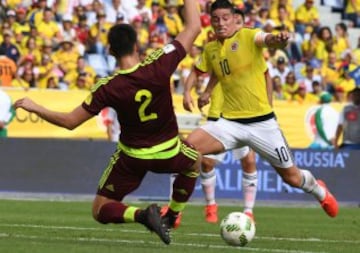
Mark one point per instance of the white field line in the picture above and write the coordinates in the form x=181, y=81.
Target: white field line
x=184, y=234
x=189, y=245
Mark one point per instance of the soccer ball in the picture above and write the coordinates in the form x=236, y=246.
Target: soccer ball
x=237, y=229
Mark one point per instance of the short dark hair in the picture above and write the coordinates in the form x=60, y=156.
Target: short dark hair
x=122, y=39
x=240, y=13
x=222, y=4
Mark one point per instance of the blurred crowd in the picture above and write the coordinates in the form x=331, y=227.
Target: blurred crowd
x=61, y=44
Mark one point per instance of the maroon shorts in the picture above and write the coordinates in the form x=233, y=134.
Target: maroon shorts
x=124, y=173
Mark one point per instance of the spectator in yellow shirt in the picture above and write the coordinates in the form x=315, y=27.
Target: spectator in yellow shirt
x=46, y=71
x=21, y=25
x=34, y=34
x=26, y=80
x=35, y=15
x=352, y=11
x=341, y=39
x=274, y=9
x=11, y=18
x=30, y=50
x=317, y=88
x=283, y=19
x=11, y=4
x=52, y=83
x=172, y=20
x=325, y=44
x=187, y=63
x=142, y=32
x=278, y=91
x=66, y=56
x=302, y=96
x=80, y=83
x=306, y=18
x=329, y=72
x=346, y=82
x=82, y=68
x=291, y=85
x=98, y=34
x=48, y=28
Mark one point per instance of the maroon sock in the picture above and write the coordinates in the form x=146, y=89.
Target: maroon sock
x=183, y=187
x=112, y=212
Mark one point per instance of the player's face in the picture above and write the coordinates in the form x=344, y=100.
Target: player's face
x=224, y=23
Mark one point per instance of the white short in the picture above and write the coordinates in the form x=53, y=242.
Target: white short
x=237, y=154
x=264, y=137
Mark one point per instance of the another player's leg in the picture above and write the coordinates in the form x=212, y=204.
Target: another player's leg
x=249, y=181
x=305, y=180
x=208, y=184
x=204, y=141
x=184, y=184
x=268, y=141
x=115, y=183
x=110, y=211
x=165, y=208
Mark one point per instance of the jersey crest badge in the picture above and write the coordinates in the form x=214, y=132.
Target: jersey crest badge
x=234, y=46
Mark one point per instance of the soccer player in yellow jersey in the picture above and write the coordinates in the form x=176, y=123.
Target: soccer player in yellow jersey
x=235, y=60
x=244, y=154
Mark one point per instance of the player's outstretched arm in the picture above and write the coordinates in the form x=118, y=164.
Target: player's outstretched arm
x=192, y=26
x=68, y=120
x=204, y=99
x=188, y=102
x=279, y=40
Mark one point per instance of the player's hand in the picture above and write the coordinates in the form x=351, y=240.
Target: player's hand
x=203, y=100
x=27, y=104
x=281, y=39
x=188, y=102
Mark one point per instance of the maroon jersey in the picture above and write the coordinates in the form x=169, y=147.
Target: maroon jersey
x=142, y=98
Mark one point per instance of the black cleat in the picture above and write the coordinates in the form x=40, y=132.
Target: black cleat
x=153, y=222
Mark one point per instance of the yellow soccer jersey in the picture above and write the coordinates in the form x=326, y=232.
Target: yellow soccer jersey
x=339, y=46
x=239, y=66
x=217, y=97
x=349, y=7
x=307, y=16
x=216, y=102
x=48, y=30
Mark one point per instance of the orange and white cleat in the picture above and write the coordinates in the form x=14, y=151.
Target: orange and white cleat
x=211, y=215
x=329, y=204
x=174, y=222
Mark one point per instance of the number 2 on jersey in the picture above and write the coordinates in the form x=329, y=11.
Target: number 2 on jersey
x=144, y=104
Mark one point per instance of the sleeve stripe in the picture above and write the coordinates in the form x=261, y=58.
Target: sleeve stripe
x=259, y=38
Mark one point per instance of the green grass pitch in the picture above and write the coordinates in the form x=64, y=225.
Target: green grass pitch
x=67, y=227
